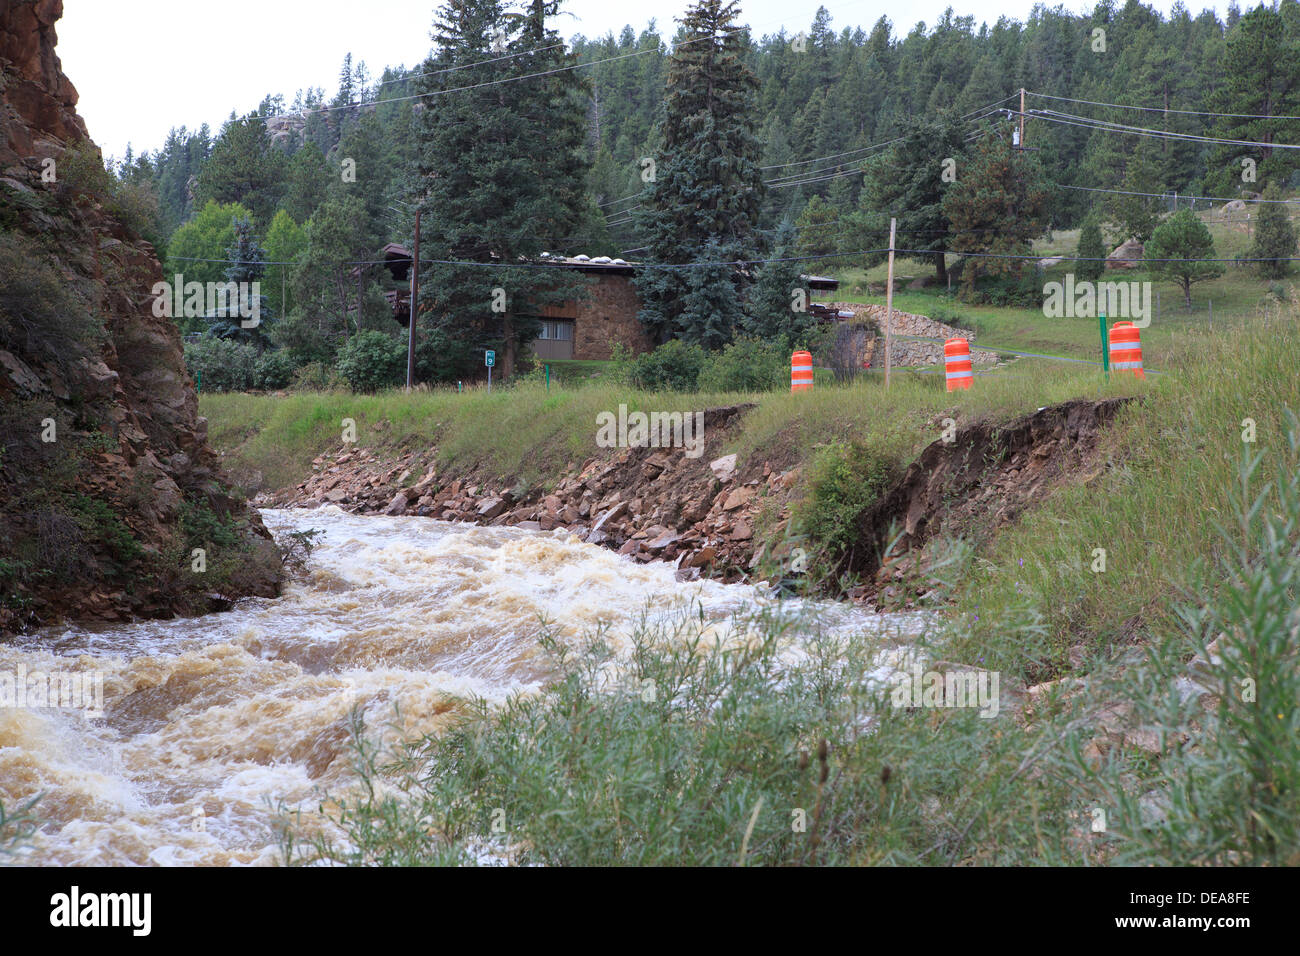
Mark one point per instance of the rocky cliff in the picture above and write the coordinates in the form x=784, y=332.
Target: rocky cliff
x=111, y=501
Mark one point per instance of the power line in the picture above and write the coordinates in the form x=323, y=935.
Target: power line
x=1170, y=195
x=1157, y=109
x=1086, y=122
x=511, y=79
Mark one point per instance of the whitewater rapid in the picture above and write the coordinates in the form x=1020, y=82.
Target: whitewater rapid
x=212, y=726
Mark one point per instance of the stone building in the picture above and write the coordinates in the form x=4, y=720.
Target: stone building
x=589, y=327
x=585, y=328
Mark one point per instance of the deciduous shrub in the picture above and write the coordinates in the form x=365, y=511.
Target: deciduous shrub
x=746, y=365
x=220, y=365
x=674, y=366
x=371, y=361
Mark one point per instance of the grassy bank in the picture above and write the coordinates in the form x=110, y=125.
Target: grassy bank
x=708, y=755
x=1155, y=508
x=531, y=433
x=734, y=756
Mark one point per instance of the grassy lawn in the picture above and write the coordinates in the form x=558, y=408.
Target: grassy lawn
x=1220, y=305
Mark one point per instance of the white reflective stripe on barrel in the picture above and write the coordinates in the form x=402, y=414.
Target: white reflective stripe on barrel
x=964, y=374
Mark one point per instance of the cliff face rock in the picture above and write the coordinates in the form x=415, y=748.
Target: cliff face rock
x=107, y=485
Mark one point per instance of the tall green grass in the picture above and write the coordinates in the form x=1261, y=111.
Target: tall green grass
x=1166, y=477
x=700, y=754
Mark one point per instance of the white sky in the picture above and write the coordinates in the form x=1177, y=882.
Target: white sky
x=144, y=66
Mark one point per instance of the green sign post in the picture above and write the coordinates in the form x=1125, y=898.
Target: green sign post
x=1105, y=346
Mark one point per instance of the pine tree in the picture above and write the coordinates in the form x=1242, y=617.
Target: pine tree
x=1275, y=236
x=1091, y=252
x=309, y=181
x=1260, y=77
x=1179, y=250
x=908, y=183
x=502, y=170
x=1137, y=207
x=704, y=201
x=243, y=168
x=997, y=205
x=818, y=231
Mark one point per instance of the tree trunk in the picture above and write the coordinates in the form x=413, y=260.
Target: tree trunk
x=941, y=268
x=1187, y=294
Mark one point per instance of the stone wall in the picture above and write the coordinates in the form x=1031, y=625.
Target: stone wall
x=927, y=349
x=608, y=315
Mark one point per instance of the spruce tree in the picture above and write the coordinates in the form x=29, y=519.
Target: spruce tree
x=703, y=204
x=247, y=266
x=1091, y=252
x=1275, y=236
x=501, y=174
x=775, y=309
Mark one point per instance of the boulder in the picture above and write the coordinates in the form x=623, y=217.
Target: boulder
x=723, y=468
x=490, y=508
x=1127, y=255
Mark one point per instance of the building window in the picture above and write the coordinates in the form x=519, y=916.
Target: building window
x=556, y=331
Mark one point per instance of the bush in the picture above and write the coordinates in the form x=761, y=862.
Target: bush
x=135, y=205
x=316, y=377
x=675, y=366
x=1025, y=290
x=371, y=361
x=746, y=365
x=219, y=365
x=845, y=480
x=274, y=370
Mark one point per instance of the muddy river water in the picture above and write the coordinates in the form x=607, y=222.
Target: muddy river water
x=210, y=724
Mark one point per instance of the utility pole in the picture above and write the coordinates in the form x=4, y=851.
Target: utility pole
x=1022, y=117
x=415, y=297
x=889, y=301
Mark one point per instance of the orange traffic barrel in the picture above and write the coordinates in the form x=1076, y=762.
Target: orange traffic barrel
x=801, y=372
x=956, y=364
x=1126, y=349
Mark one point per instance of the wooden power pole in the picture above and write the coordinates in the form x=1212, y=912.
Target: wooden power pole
x=1022, y=117
x=415, y=298
x=889, y=302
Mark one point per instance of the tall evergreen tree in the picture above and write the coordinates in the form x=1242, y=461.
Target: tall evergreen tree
x=707, y=191
x=243, y=168
x=908, y=182
x=247, y=266
x=1275, y=236
x=502, y=170
x=775, y=309
x=1261, y=78
x=996, y=206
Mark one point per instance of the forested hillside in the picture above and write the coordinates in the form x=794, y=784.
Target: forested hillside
x=1123, y=108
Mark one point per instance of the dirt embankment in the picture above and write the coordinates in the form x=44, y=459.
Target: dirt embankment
x=701, y=512
x=982, y=480
x=711, y=517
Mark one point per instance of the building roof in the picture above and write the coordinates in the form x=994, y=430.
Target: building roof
x=397, y=253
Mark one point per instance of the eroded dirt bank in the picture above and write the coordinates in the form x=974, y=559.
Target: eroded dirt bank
x=714, y=516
